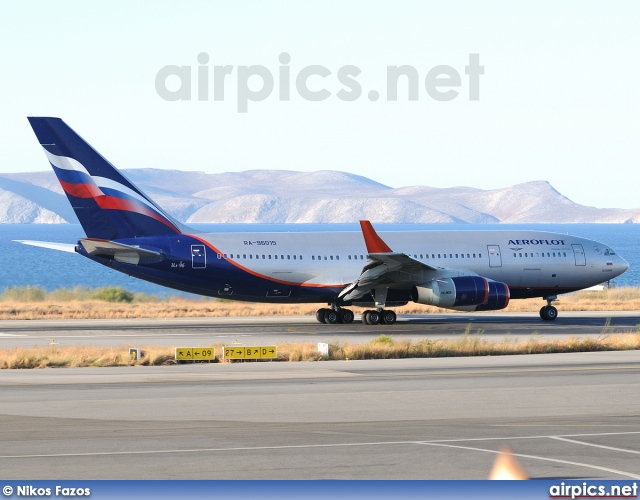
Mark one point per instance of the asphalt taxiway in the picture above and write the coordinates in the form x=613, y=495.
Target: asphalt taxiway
x=273, y=329
x=568, y=416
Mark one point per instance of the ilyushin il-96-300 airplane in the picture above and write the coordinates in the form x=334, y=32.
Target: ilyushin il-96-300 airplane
x=460, y=270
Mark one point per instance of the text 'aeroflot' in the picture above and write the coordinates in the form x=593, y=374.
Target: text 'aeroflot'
x=460, y=270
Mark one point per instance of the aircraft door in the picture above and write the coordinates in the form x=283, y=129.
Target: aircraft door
x=495, y=259
x=578, y=253
x=198, y=257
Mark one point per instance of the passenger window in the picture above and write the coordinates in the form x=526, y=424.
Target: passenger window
x=244, y=255
x=288, y=257
x=294, y=257
x=337, y=257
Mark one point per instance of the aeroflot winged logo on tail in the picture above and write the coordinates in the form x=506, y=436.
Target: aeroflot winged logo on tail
x=107, y=204
x=107, y=193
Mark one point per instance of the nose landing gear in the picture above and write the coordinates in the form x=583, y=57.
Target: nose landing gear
x=548, y=312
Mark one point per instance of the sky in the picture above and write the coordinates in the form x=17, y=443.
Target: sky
x=556, y=97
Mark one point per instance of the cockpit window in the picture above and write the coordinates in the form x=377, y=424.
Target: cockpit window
x=609, y=252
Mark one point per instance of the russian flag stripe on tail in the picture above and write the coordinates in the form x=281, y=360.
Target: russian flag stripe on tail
x=108, y=205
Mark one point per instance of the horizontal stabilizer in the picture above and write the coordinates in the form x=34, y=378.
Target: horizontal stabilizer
x=119, y=251
x=63, y=247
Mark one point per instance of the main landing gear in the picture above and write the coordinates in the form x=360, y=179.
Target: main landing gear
x=375, y=317
x=548, y=312
x=333, y=316
x=369, y=317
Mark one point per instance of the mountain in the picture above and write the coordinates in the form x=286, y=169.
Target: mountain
x=277, y=196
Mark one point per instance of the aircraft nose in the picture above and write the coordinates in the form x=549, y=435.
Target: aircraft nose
x=621, y=265
x=624, y=264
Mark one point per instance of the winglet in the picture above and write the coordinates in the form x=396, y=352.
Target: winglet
x=374, y=243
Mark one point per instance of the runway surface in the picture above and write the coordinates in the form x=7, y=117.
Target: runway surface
x=274, y=329
x=565, y=416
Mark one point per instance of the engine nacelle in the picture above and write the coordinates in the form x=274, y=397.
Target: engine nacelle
x=498, y=298
x=460, y=291
x=467, y=293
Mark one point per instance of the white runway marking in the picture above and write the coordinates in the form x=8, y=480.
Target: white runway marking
x=204, y=450
x=442, y=443
x=594, y=445
x=532, y=437
x=534, y=457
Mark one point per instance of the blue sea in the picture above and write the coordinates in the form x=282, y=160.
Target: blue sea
x=26, y=265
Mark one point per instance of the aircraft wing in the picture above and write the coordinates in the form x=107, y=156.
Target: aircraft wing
x=385, y=268
x=118, y=251
x=63, y=247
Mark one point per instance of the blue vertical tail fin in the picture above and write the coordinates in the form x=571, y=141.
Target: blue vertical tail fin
x=108, y=205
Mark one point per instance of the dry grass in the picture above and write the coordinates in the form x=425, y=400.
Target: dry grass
x=80, y=356
x=67, y=304
x=383, y=347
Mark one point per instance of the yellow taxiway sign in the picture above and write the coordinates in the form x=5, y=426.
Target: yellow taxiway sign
x=250, y=352
x=195, y=353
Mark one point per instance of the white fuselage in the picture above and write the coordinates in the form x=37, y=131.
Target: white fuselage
x=524, y=260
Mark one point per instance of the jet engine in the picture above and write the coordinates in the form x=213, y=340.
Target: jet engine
x=469, y=293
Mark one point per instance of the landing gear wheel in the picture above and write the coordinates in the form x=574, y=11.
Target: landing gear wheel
x=320, y=315
x=332, y=317
x=374, y=317
x=388, y=317
x=548, y=313
x=365, y=317
x=346, y=315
